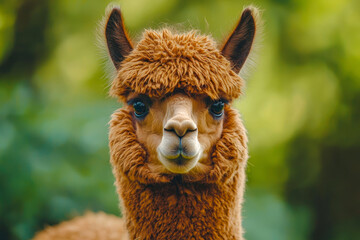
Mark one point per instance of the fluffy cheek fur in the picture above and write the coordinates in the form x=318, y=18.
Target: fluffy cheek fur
x=128, y=155
x=229, y=152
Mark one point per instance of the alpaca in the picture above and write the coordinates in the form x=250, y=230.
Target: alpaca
x=178, y=149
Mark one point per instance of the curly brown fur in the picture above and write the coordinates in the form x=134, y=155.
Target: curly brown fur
x=175, y=206
x=189, y=61
x=91, y=226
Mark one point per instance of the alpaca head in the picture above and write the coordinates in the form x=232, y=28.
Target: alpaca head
x=177, y=88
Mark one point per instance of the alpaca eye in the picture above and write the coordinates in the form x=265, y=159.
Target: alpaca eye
x=217, y=109
x=140, y=109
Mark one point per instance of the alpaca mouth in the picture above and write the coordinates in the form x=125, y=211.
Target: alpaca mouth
x=181, y=159
x=179, y=155
x=179, y=163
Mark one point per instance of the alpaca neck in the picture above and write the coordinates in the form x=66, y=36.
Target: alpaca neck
x=157, y=209
x=180, y=210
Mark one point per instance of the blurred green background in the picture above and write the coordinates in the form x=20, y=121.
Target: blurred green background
x=301, y=109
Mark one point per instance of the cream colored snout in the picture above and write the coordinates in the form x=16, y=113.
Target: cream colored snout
x=179, y=150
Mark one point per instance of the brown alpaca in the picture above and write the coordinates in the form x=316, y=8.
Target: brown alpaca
x=178, y=149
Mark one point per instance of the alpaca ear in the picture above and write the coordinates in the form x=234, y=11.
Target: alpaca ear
x=117, y=40
x=238, y=44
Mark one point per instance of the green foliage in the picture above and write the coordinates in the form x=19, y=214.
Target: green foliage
x=301, y=109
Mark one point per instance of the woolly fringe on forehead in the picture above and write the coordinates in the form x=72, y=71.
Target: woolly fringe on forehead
x=163, y=62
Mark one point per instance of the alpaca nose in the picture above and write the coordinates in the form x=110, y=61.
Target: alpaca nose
x=180, y=126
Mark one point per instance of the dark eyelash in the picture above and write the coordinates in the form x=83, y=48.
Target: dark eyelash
x=224, y=100
x=142, y=98
x=209, y=101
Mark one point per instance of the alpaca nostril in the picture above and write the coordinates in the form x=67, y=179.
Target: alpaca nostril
x=180, y=128
x=180, y=134
x=172, y=130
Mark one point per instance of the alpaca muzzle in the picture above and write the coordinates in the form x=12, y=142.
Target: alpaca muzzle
x=179, y=150
x=179, y=154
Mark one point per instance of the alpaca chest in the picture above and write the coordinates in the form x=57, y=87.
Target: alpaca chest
x=182, y=210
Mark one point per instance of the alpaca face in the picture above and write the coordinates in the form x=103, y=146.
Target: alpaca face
x=178, y=131
x=175, y=84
